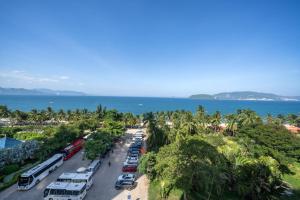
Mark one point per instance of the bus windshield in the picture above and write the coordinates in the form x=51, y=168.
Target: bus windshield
x=24, y=180
x=46, y=192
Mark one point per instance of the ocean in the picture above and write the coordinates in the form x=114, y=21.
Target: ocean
x=139, y=105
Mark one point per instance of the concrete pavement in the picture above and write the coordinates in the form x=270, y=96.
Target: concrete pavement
x=104, y=179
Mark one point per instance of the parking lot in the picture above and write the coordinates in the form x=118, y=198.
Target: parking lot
x=104, y=179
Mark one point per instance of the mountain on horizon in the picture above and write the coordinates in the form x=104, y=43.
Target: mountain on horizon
x=39, y=92
x=246, y=95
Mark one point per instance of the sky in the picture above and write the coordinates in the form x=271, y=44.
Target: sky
x=161, y=48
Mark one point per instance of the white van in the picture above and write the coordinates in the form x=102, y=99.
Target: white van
x=94, y=166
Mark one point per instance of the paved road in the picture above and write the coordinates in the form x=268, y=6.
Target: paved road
x=36, y=193
x=104, y=179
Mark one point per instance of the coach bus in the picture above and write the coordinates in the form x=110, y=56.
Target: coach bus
x=64, y=190
x=73, y=148
x=77, y=178
x=33, y=176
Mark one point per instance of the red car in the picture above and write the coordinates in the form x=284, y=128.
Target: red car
x=129, y=168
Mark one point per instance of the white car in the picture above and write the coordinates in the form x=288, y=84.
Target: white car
x=126, y=177
x=133, y=158
x=137, y=139
x=128, y=161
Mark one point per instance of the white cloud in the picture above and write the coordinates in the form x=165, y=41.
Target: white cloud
x=31, y=78
x=64, y=77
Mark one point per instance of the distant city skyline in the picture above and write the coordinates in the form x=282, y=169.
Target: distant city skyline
x=151, y=48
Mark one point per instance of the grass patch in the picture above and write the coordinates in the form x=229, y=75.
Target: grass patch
x=294, y=181
x=154, y=192
x=14, y=176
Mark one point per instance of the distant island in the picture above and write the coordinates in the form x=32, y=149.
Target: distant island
x=39, y=92
x=245, y=95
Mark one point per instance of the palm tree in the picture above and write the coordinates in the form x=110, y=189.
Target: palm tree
x=200, y=117
x=33, y=115
x=231, y=121
x=61, y=114
x=49, y=113
x=148, y=118
x=291, y=119
x=4, y=112
x=20, y=116
x=248, y=118
x=216, y=120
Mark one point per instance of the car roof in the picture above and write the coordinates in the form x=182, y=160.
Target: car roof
x=94, y=163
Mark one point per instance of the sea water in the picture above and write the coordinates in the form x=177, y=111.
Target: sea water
x=139, y=105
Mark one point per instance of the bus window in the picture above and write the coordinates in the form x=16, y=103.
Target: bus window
x=52, y=192
x=68, y=192
x=60, y=192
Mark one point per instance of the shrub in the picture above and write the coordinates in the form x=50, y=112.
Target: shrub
x=10, y=169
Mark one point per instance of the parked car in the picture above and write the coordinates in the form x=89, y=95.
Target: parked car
x=126, y=177
x=129, y=185
x=131, y=162
x=135, y=145
x=137, y=139
x=133, y=154
x=132, y=158
x=134, y=149
x=129, y=168
x=139, y=135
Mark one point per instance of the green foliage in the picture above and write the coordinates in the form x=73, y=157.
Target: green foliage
x=8, y=169
x=156, y=137
x=154, y=192
x=29, y=136
x=258, y=179
x=86, y=124
x=114, y=128
x=248, y=163
x=272, y=140
x=192, y=165
x=146, y=165
x=56, y=139
x=11, y=182
x=293, y=181
x=9, y=131
x=130, y=120
x=97, y=145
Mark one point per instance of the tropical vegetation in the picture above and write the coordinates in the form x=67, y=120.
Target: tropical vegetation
x=248, y=158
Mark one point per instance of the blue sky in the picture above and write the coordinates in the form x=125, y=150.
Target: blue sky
x=151, y=48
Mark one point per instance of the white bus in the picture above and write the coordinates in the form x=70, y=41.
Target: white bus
x=33, y=176
x=77, y=178
x=65, y=191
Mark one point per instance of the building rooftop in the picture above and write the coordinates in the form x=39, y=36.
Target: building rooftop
x=7, y=142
